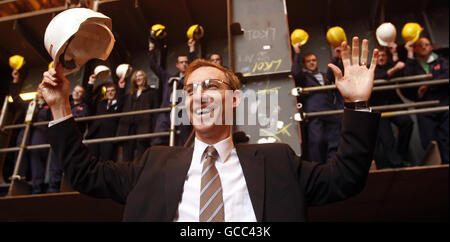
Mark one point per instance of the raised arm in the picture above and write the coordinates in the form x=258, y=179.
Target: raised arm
x=296, y=68
x=157, y=69
x=346, y=174
x=87, y=174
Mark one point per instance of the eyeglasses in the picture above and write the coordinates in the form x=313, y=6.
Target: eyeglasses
x=207, y=85
x=424, y=45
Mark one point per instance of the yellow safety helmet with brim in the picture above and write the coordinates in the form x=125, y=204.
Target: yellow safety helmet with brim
x=195, y=32
x=299, y=36
x=158, y=31
x=336, y=35
x=16, y=62
x=411, y=32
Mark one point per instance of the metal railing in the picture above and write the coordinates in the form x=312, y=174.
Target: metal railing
x=414, y=82
x=374, y=108
x=297, y=91
x=18, y=185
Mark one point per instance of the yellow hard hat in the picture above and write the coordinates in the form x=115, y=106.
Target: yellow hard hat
x=158, y=31
x=50, y=65
x=336, y=36
x=411, y=32
x=195, y=32
x=299, y=36
x=16, y=62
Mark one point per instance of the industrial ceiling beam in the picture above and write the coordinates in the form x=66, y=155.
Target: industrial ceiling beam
x=30, y=37
x=33, y=13
x=4, y=56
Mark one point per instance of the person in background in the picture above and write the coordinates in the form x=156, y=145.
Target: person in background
x=216, y=180
x=79, y=109
x=388, y=152
x=34, y=161
x=422, y=60
x=322, y=135
x=163, y=119
x=103, y=128
x=140, y=97
x=216, y=58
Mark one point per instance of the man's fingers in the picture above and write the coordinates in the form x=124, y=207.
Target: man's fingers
x=47, y=75
x=355, y=51
x=337, y=72
x=51, y=71
x=47, y=81
x=345, y=55
x=373, y=64
x=364, y=52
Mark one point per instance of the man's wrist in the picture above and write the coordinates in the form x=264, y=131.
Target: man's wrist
x=61, y=110
x=357, y=105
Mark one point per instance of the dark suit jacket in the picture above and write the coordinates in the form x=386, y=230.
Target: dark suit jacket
x=281, y=185
x=315, y=101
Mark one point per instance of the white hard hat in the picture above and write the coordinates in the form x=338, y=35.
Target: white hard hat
x=77, y=35
x=123, y=70
x=386, y=33
x=102, y=72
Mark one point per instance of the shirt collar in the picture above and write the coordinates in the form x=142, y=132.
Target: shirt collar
x=223, y=147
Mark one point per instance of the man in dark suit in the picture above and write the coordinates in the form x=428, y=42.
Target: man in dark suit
x=322, y=133
x=103, y=128
x=162, y=123
x=215, y=180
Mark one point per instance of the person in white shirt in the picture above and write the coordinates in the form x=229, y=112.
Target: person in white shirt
x=217, y=180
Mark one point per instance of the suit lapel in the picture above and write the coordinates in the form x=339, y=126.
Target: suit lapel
x=176, y=169
x=253, y=168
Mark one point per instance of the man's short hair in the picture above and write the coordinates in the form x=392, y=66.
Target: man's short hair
x=308, y=54
x=210, y=55
x=110, y=84
x=183, y=55
x=79, y=85
x=232, y=78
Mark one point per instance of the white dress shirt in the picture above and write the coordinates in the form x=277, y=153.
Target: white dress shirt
x=237, y=204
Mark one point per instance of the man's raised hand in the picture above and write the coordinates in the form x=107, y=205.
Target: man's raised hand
x=357, y=83
x=54, y=88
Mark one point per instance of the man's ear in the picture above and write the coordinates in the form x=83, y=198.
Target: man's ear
x=237, y=97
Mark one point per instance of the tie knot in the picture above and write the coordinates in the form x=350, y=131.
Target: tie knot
x=211, y=152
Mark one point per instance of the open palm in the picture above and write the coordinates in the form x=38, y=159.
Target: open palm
x=357, y=82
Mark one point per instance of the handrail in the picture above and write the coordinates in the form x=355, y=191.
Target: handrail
x=374, y=108
x=306, y=90
x=93, y=117
x=92, y=141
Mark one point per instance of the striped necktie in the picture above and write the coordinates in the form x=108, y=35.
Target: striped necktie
x=211, y=200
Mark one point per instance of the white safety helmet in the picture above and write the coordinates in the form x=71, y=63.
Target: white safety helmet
x=102, y=72
x=123, y=70
x=77, y=35
x=386, y=33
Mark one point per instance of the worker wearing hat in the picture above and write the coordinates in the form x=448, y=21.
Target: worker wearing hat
x=421, y=60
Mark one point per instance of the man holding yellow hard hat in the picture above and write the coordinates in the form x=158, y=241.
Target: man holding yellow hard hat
x=320, y=131
x=163, y=120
